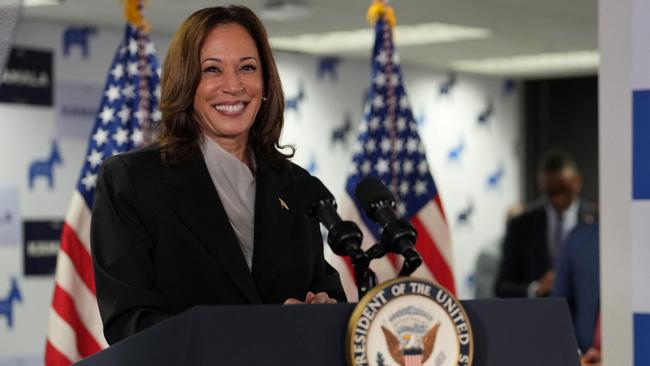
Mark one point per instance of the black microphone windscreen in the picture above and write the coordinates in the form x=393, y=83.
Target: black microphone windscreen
x=371, y=190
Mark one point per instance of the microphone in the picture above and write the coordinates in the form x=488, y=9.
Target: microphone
x=397, y=235
x=344, y=237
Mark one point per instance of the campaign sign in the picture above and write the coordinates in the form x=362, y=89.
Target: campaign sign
x=9, y=217
x=76, y=109
x=42, y=240
x=28, y=77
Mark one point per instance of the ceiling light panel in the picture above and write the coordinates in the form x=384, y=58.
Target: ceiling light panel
x=355, y=40
x=539, y=64
x=32, y=3
x=284, y=11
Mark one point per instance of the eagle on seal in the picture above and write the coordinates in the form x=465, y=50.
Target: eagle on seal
x=412, y=344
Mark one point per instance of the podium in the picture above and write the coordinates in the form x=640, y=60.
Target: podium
x=514, y=332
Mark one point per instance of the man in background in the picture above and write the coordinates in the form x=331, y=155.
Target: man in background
x=534, y=238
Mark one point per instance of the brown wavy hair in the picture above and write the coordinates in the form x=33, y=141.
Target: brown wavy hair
x=179, y=132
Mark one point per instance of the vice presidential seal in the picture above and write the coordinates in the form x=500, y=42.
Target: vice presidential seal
x=409, y=322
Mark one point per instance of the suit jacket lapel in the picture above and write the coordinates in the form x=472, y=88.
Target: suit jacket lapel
x=198, y=205
x=275, y=207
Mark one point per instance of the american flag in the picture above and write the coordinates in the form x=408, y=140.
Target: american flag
x=390, y=149
x=124, y=120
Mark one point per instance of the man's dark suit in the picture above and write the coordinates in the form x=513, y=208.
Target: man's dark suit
x=162, y=242
x=577, y=278
x=526, y=255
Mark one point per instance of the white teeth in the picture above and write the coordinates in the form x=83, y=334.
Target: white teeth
x=230, y=108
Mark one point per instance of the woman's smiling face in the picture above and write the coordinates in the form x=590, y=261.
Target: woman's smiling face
x=231, y=88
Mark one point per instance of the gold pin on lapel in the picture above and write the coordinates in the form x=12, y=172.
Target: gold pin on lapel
x=283, y=204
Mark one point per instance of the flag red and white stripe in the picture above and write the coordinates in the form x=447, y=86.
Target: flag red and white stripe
x=127, y=110
x=389, y=148
x=75, y=328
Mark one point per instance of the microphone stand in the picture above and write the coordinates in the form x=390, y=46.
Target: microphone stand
x=345, y=237
x=365, y=277
x=412, y=261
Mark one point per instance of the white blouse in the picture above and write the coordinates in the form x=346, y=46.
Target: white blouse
x=235, y=184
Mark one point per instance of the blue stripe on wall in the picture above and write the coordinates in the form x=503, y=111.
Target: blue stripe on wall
x=641, y=144
x=641, y=339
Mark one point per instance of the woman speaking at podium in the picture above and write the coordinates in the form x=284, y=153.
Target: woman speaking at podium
x=212, y=213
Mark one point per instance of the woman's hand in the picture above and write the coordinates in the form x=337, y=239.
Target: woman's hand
x=311, y=298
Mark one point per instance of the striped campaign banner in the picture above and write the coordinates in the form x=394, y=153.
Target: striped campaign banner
x=640, y=70
x=640, y=228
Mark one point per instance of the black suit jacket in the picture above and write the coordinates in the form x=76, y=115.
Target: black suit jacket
x=162, y=242
x=525, y=255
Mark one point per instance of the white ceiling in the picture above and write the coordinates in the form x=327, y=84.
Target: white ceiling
x=519, y=27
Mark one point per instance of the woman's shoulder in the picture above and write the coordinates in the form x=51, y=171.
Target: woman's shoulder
x=297, y=174
x=143, y=160
x=288, y=172
x=297, y=170
x=140, y=156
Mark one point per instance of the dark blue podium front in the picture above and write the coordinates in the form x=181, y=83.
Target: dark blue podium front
x=531, y=332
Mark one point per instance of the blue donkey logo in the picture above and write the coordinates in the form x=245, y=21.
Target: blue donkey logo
x=340, y=133
x=294, y=101
x=77, y=36
x=456, y=152
x=328, y=66
x=447, y=85
x=45, y=168
x=465, y=216
x=495, y=178
x=312, y=166
x=7, y=304
x=486, y=114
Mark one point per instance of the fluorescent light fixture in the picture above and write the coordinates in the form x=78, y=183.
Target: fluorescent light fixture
x=283, y=11
x=31, y=3
x=405, y=35
x=545, y=63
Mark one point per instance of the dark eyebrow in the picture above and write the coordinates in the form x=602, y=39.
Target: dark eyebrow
x=246, y=58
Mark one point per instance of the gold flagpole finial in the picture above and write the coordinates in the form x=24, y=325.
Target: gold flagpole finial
x=133, y=13
x=380, y=8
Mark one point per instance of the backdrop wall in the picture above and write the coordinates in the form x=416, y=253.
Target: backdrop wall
x=469, y=125
x=623, y=29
